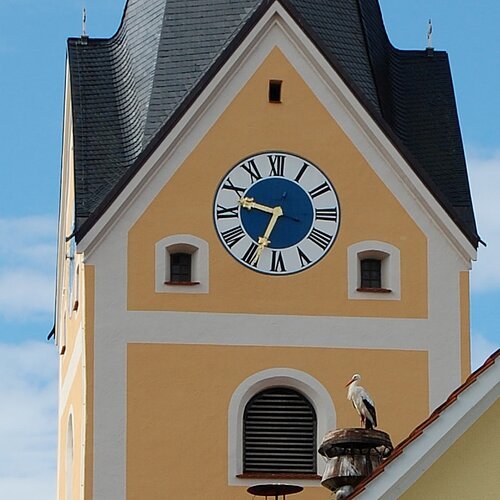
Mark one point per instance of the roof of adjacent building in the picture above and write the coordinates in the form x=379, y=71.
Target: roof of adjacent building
x=129, y=89
x=437, y=414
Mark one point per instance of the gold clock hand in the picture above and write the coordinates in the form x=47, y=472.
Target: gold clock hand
x=249, y=203
x=264, y=240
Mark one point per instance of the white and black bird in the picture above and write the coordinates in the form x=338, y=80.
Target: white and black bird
x=363, y=402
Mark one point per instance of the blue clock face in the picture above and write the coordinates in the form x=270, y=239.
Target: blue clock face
x=276, y=213
x=298, y=212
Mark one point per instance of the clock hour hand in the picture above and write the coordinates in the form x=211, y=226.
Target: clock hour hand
x=264, y=240
x=249, y=203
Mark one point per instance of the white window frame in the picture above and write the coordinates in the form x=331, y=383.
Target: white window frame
x=185, y=243
x=390, y=258
x=315, y=392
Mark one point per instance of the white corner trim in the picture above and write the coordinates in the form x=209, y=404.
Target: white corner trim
x=71, y=372
x=284, y=377
x=453, y=422
x=391, y=269
x=199, y=263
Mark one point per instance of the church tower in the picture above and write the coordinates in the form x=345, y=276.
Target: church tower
x=259, y=198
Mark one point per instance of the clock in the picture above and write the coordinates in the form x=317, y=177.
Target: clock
x=276, y=213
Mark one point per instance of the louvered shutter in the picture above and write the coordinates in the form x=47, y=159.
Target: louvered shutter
x=279, y=433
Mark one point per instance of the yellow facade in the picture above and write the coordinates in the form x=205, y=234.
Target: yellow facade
x=178, y=395
x=178, y=398
x=72, y=394
x=76, y=384
x=469, y=468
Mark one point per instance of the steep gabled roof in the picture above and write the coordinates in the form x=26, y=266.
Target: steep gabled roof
x=127, y=90
x=489, y=391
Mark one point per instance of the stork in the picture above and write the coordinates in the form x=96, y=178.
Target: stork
x=363, y=402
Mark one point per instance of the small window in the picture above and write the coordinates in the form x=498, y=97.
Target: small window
x=180, y=268
x=371, y=273
x=275, y=91
x=181, y=264
x=374, y=271
x=279, y=433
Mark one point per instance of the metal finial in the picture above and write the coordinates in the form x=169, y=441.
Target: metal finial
x=429, y=35
x=84, y=22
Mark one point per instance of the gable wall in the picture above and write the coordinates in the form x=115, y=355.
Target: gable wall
x=469, y=468
x=301, y=125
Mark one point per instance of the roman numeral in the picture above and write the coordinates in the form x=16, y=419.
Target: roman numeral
x=231, y=187
x=304, y=259
x=277, y=164
x=226, y=213
x=277, y=263
x=232, y=236
x=301, y=172
x=327, y=214
x=252, y=170
x=250, y=254
x=319, y=190
x=321, y=238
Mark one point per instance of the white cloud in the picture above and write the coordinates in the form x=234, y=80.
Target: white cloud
x=481, y=349
x=27, y=261
x=26, y=293
x=28, y=240
x=484, y=174
x=28, y=421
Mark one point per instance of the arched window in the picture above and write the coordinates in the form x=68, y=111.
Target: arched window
x=309, y=392
x=279, y=432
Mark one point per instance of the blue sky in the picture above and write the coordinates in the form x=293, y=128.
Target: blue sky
x=32, y=60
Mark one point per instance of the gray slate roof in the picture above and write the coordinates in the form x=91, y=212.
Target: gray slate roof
x=127, y=91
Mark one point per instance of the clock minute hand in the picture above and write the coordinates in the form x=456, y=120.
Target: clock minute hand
x=264, y=240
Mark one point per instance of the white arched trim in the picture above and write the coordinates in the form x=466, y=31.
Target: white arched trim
x=274, y=377
x=187, y=243
x=390, y=259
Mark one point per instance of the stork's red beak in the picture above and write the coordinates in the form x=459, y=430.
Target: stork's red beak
x=350, y=382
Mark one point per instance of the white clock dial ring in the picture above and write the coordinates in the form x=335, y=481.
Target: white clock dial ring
x=280, y=194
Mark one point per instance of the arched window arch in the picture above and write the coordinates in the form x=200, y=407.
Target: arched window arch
x=300, y=382
x=279, y=432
